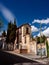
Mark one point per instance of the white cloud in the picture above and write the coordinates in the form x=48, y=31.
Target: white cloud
x=34, y=29
x=34, y=36
x=41, y=34
x=44, y=27
x=30, y=24
x=45, y=32
x=45, y=21
x=6, y=13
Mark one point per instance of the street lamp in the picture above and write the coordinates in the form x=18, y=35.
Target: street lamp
x=40, y=40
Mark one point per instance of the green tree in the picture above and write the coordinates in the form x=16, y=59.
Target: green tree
x=8, y=32
x=4, y=33
x=11, y=32
x=41, y=39
x=47, y=47
x=44, y=38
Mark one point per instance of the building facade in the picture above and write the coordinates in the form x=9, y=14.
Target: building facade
x=23, y=40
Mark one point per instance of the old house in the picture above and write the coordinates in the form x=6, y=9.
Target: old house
x=23, y=40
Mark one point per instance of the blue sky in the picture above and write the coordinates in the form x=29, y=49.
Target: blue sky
x=26, y=11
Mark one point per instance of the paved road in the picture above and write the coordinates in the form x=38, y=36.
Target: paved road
x=32, y=57
x=7, y=58
x=12, y=59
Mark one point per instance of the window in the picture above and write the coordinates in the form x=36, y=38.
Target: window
x=27, y=30
x=20, y=38
x=25, y=40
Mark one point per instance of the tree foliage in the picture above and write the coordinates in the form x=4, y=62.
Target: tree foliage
x=11, y=32
x=4, y=33
x=41, y=39
x=47, y=47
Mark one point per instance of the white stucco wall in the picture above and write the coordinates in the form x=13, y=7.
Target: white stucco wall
x=33, y=47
